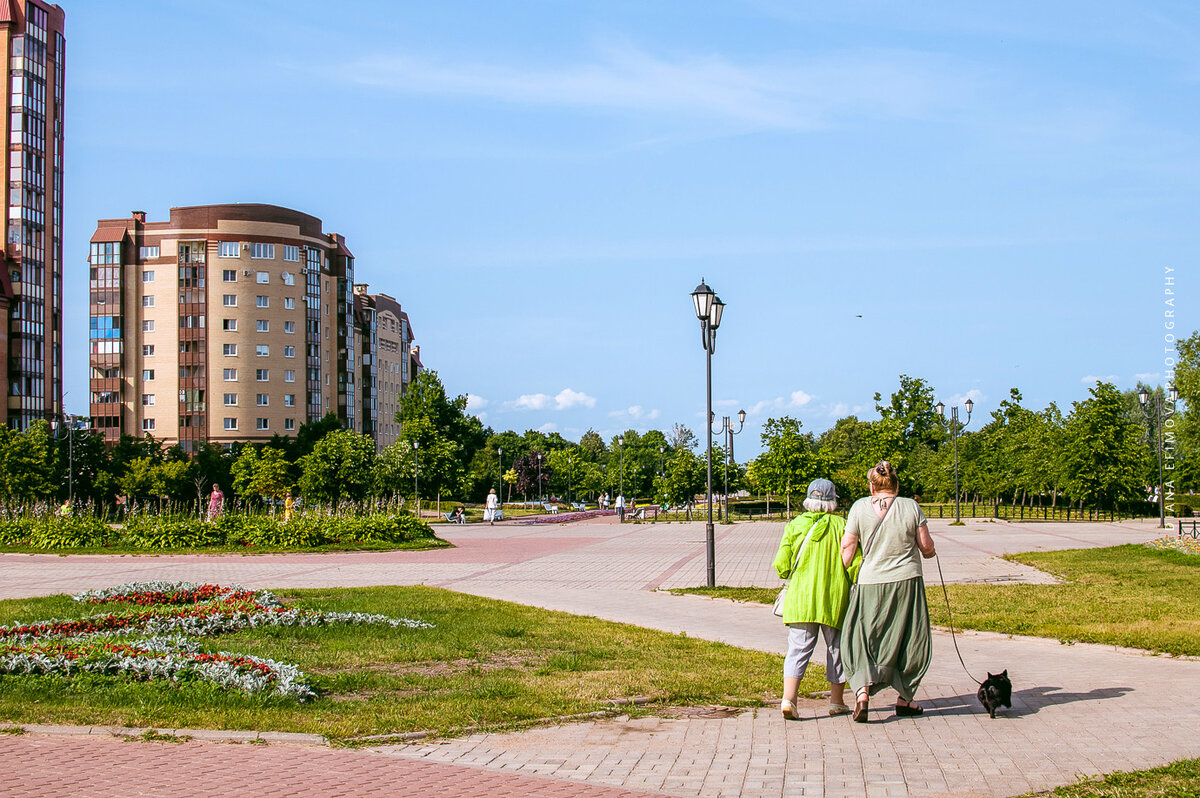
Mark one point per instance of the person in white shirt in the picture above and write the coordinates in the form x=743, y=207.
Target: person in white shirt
x=489, y=509
x=621, y=506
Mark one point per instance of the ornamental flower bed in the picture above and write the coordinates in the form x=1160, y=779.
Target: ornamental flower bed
x=152, y=642
x=1185, y=545
x=562, y=518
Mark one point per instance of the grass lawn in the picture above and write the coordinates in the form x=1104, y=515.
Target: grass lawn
x=1177, y=780
x=486, y=663
x=1124, y=595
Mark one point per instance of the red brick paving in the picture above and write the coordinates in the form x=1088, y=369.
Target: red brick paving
x=104, y=767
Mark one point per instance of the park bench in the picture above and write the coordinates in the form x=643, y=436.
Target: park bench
x=551, y=508
x=450, y=517
x=579, y=506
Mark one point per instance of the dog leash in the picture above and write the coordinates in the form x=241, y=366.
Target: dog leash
x=950, y=620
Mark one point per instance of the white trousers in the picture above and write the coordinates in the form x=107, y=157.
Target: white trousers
x=802, y=642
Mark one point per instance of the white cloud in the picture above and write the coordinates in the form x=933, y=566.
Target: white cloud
x=475, y=403
x=1091, y=379
x=563, y=400
x=568, y=398
x=813, y=93
x=795, y=401
x=975, y=395
x=1148, y=378
x=549, y=426
x=635, y=412
x=839, y=410
x=799, y=399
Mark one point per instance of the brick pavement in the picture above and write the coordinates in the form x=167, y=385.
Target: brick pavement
x=1079, y=709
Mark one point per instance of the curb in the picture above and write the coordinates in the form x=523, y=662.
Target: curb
x=205, y=735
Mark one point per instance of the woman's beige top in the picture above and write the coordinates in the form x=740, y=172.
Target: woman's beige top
x=891, y=554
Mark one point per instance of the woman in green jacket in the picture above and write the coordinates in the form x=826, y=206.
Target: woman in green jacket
x=818, y=589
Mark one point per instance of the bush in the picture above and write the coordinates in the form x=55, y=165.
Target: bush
x=376, y=528
x=14, y=531
x=172, y=533
x=69, y=533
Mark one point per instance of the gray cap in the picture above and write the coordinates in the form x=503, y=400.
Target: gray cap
x=822, y=489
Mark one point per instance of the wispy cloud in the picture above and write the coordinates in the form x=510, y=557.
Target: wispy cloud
x=1092, y=379
x=563, y=400
x=975, y=395
x=475, y=403
x=795, y=401
x=636, y=413
x=816, y=92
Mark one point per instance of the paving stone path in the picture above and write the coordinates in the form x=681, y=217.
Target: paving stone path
x=1077, y=709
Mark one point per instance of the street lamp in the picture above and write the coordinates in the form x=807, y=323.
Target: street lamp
x=660, y=461
x=954, y=427
x=500, y=457
x=416, y=468
x=621, y=441
x=539, y=474
x=728, y=432
x=709, y=308
x=570, y=474
x=69, y=422
x=1155, y=413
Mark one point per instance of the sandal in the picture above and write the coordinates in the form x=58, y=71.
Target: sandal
x=838, y=709
x=860, y=711
x=909, y=710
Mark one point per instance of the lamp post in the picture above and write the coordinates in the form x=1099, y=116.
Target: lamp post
x=1155, y=412
x=621, y=489
x=416, y=468
x=954, y=427
x=570, y=475
x=69, y=422
x=728, y=432
x=660, y=461
x=539, y=475
x=709, y=308
x=500, y=458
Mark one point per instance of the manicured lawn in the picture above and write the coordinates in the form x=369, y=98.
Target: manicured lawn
x=1177, y=780
x=485, y=663
x=1125, y=596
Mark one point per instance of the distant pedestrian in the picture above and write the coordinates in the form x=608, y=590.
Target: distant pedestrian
x=886, y=640
x=216, y=503
x=288, y=504
x=818, y=588
x=621, y=506
x=65, y=510
x=604, y=501
x=489, y=508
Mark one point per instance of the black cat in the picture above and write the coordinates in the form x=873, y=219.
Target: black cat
x=995, y=691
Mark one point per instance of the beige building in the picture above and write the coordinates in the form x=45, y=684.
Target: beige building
x=390, y=361
x=34, y=50
x=226, y=323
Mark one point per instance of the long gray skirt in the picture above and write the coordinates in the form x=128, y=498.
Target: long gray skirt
x=885, y=637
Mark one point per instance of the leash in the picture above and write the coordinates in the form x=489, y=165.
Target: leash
x=950, y=620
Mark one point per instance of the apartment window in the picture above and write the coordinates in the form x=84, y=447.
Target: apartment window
x=289, y=327
x=260, y=251
x=289, y=400
x=262, y=375
x=148, y=252
x=229, y=350
x=229, y=275
x=231, y=423
x=147, y=375
x=229, y=300
x=229, y=325
x=230, y=375
x=148, y=325
x=261, y=423
x=262, y=350
x=289, y=424
x=262, y=400
x=148, y=301
x=148, y=399
x=228, y=249
x=288, y=278
x=231, y=400
x=147, y=424
x=148, y=277
x=289, y=303
x=291, y=253
x=147, y=350
x=289, y=351
x=262, y=325
x=262, y=302
x=289, y=375
x=262, y=278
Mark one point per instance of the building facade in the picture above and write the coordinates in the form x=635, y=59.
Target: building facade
x=226, y=323
x=34, y=49
x=390, y=361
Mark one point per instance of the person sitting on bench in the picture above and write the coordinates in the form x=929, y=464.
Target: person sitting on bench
x=459, y=516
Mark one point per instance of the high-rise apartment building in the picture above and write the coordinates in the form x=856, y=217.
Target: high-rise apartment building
x=31, y=282
x=226, y=323
x=389, y=362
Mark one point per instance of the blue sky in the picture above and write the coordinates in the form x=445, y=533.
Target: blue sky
x=982, y=197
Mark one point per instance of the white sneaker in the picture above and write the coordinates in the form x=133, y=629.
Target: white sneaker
x=789, y=710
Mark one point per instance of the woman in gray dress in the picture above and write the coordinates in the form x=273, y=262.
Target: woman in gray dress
x=885, y=637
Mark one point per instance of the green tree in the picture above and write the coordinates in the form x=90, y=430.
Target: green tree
x=685, y=476
x=26, y=464
x=341, y=466
x=789, y=460
x=1104, y=457
x=263, y=474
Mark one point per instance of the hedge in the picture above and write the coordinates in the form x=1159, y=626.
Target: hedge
x=156, y=532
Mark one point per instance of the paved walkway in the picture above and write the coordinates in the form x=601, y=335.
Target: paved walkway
x=1078, y=709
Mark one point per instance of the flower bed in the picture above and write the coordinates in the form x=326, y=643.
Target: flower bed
x=562, y=518
x=151, y=642
x=1185, y=545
